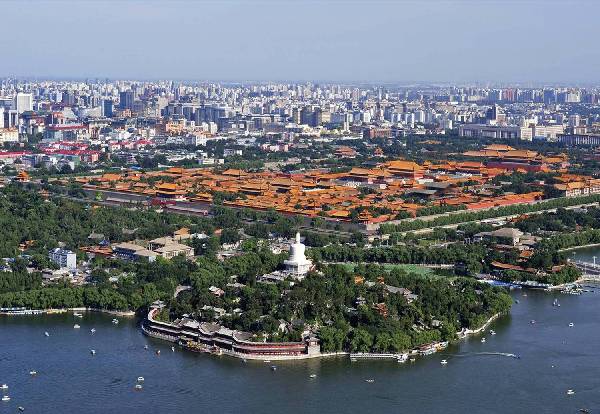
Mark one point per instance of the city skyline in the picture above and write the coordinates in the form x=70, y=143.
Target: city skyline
x=342, y=41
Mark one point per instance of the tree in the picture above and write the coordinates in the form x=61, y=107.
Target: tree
x=361, y=341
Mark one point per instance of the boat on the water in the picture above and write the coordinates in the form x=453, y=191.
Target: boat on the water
x=78, y=315
x=93, y=330
x=273, y=368
x=3, y=387
x=571, y=325
x=138, y=386
x=21, y=408
x=115, y=321
x=145, y=346
x=483, y=340
x=313, y=376
x=32, y=372
x=93, y=351
x=76, y=326
x=492, y=332
x=158, y=352
x=172, y=349
x=443, y=362
x=46, y=334
x=570, y=392
x=140, y=379
x=370, y=380
x=5, y=398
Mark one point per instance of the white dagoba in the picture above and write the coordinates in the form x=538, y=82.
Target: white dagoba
x=297, y=264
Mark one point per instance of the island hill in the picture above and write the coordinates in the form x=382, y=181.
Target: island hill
x=300, y=312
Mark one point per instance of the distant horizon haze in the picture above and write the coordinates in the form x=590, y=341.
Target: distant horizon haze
x=531, y=42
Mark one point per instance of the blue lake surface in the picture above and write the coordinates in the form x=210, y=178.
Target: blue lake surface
x=554, y=358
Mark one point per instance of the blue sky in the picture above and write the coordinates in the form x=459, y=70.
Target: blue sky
x=338, y=40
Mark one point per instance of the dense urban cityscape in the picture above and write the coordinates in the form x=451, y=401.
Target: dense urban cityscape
x=185, y=240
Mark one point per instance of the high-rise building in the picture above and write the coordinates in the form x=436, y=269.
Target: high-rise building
x=23, y=102
x=126, y=100
x=107, y=108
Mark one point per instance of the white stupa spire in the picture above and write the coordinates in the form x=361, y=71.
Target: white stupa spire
x=297, y=264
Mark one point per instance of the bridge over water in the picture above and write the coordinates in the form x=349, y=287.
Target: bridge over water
x=591, y=271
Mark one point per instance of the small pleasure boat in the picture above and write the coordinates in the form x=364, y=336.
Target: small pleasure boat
x=78, y=315
x=532, y=321
x=138, y=386
x=273, y=368
x=140, y=379
x=571, y=325
x=21, y=408
x=158, y=352
x=443, y=362
x=93, y=330
x=32, y=372
x=370, y=380
x=492, y=332
x=93, y=351
x=3, y=387
x=145, y=346
x=172, y=349
x=570, y=392
x=483, y=340
x=115, y=321
x=76, y=326
x=46, y=334
x=5, y=398
x=313, y=375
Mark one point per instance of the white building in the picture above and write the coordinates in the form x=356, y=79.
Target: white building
x=297, y=265
x=23, y=102
x=64, y=258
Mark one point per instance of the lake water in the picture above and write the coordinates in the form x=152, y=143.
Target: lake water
x=554, y=358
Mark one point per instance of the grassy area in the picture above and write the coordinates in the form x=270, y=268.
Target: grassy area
x=409, y=268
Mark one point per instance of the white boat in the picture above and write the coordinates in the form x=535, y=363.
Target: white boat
x=138, y=386
x=571, y=325
x=3, y=387
x=46, y=334
x=412, y=360
x=313, y=375
x=570, y=392
x=32, y=372
x=443, y=362
x=140, y=379
x=93, y=330
x=267, y=361
x=370, y=380
x=78, y=315
x=115, y=321
x=483, y=340
x=172, y=349
x=76, y=326
x=532, y=321
x=492, y=332
x=5, y=398
x=145, y=346
x=93, y=351
x=21, y=408
x=158, y=352
x=273, y=368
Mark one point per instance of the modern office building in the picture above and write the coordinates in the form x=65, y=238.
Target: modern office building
x=126, y=100
x=23, y=102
